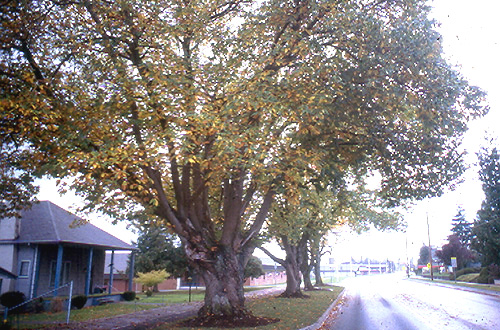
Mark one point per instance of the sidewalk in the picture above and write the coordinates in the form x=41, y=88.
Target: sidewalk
x=148, y=318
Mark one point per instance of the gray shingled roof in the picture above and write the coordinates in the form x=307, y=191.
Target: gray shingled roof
x=48, y=223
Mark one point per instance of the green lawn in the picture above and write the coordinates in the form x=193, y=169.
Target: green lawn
x=293, y=313
x=108, y=310
x=89, y=313
x=182, y=296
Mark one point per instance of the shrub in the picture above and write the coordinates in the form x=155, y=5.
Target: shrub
x=484, y=276
x=128, y=295
x=12, y=298
x=56, y=305
x=464, y=271
x=472, y=277
x=149, y=293
x=494, y=271
x=78, y=301
x=36, y=306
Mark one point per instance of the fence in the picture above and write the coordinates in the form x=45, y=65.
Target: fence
x=67, y=285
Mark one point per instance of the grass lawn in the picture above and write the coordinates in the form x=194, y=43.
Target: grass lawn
x=108, y=310
x=182, y=296
x=294, y=313
x=88, y=313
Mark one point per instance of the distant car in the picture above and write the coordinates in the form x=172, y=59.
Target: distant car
x=362, y=270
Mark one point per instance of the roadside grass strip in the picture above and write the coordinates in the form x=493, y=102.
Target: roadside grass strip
x=294, y=313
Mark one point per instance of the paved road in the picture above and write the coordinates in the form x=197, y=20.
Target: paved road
x=393, y=302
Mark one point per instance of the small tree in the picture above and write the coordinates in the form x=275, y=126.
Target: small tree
x=424, y=255
x=455, y=248
x=462, y=229
x=253, y=268
x=152, y=278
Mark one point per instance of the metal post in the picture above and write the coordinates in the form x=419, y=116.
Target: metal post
x=69, y=301
x=430, y=249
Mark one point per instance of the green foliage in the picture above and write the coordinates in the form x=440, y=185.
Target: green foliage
x=129, y=295
x=455, y=248
x=487, y=225
x=484, y=276
x=152, y=278
x=78, y=301
x=253, y=269
x=472, y=277
x=424, y=255
x=158, y=249
x=465, y=271
x=12, y=298
x=461, y=228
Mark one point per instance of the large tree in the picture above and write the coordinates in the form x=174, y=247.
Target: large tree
x=486, y=229
x=193, y=112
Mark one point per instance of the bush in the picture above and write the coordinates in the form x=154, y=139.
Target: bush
x=128, y=295
x=36, y=306
x=56, y=305
x=12, y=298
x=78, y=301
x=472, y=277
x=149, y=293
x=484, y=276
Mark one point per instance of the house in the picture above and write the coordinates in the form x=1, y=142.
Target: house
x=47, y=247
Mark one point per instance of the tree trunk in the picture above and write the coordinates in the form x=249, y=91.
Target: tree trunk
x=293, y=280
x=224, y=296
x=303, y=261
x=292, y=268
x=317, y=270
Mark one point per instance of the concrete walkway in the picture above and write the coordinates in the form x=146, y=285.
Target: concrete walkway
x=149, y=318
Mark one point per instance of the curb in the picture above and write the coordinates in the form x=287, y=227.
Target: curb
x=325, y=315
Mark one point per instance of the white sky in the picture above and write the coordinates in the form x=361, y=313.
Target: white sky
x=471, y=40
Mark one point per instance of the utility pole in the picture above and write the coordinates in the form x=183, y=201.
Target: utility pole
x=430, y=249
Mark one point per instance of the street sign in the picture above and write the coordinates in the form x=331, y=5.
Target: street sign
x=454, y=262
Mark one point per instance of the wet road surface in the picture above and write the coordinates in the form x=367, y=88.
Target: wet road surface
x=394, y=302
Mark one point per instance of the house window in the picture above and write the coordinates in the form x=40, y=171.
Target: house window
x=66, y=266
x=24, y=268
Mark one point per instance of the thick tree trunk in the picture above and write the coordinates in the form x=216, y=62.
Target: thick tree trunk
x=224, y=296
x=293, y=279
x=303, y=261
x=292, y=268
x=317, y=270
x=306, y=274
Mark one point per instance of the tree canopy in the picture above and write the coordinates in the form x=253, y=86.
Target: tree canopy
x=193, y=112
